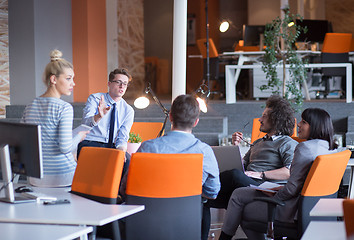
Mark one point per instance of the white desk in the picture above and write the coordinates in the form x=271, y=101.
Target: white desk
x=325, y=230
x=328, y=207
x=351, y=182
x=80, y=211
x=20, y=231
x=253, y=57
x=232, y=73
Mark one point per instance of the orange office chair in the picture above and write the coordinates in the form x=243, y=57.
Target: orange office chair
x=256, y=134
x=322, y=181
x=299, y=140
x=348, y=210
x=146, y=130
x=336, y=47
x=352, y=46
x=240, y=47
x=170, y=187
x=97, y=177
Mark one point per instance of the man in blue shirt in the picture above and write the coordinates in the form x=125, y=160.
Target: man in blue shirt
x=109, y=115
x=184, y=116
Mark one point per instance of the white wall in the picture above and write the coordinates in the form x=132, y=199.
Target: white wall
x=35, y=28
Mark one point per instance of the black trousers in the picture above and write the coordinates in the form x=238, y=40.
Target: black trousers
x=229, y=180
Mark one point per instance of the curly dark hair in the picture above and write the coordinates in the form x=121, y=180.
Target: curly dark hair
x=281, y=115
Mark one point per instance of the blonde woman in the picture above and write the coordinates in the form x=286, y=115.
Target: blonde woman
x=55, y=117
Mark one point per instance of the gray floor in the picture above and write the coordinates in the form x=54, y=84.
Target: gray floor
x=217, y=216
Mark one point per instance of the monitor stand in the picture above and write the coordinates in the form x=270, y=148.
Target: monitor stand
x=7, y=178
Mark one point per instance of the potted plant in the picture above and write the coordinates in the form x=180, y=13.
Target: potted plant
x=134, y=142
x=279, y=38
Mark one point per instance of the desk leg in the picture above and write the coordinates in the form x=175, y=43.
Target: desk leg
x=230, y=85
x=231, y=80
x=83, y=237
x=351, y=182
x=306, y=89
x=349, y=94
x=93, y=234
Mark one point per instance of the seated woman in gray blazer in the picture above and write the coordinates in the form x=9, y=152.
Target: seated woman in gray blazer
x=316, y=127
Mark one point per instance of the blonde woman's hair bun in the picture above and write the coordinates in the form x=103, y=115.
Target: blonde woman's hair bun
x=55, y=55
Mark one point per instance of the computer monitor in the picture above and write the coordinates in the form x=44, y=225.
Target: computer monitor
x=251, y=34
x=316, y=30
x=20, y=153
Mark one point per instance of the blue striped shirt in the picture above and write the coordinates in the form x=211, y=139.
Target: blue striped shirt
x=55, y=117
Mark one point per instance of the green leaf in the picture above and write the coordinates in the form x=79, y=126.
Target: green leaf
x=134, y=138
x=275, y=32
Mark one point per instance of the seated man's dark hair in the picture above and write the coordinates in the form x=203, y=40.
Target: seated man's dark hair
x=281, y=115
x=184, y=112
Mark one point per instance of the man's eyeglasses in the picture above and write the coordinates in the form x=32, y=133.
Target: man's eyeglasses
x=121, y=83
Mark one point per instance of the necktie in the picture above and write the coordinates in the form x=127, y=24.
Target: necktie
x=111, y=126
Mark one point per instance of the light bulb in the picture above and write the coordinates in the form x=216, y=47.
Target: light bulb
x=202, y=105
x=141, y=102
x=224, y=26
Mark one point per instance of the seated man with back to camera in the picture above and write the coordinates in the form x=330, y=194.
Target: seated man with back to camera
x=184, y=116
x=269, y=158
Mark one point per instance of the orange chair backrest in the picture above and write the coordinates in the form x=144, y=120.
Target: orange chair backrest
x=146, y=130
x=158, y=175
x=299, y=140
x=326, y=174
x=348, y=209
x=337, y=43
x=352, y=46
x=202, y=48
x=256, y=133
x=98, y=172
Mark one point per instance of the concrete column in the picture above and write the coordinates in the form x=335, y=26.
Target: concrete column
x=179, y=48
x=112, y=35
x=35, y=28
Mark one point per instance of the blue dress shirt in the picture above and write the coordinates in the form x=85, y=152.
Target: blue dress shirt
x=182, y=142
x=124, y=118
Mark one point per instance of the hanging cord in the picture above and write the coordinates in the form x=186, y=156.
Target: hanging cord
x=7, y=184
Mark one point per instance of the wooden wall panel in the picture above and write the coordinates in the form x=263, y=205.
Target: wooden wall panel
x=131, y=42
x=341, y=14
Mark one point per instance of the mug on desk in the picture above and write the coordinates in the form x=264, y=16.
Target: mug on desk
x=351, y=148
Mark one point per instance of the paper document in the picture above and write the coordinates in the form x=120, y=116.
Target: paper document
x=80, y=128
x=76, y=131
x=266, y=187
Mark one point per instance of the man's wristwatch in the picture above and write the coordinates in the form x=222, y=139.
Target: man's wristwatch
x=263, y=175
